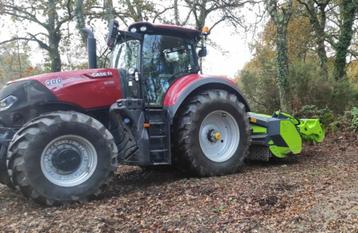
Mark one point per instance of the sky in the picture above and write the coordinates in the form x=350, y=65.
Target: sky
x=231, y=56
x=234, y=55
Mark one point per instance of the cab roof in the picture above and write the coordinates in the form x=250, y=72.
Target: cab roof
x=166, y=29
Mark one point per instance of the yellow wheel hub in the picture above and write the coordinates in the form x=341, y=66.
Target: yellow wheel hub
x=217, y=136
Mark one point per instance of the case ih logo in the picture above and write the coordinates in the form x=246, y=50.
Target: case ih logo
x=103, y=74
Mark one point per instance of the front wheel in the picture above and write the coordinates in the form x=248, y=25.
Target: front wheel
x=61, y=157
x=213, y=134
x=4, y=176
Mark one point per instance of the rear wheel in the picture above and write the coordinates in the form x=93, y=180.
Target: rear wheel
x=213, y=134
x=61, y=157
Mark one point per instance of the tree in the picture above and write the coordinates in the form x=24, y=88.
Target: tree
x=348, y=10
x=280, y=16
x=199, y=11
x=15, y=62
x=316, y=12
x=44, y=14
x=140, y=10
x=258, y=79
x=80, y=19
x=341, y=14
x=300, y=39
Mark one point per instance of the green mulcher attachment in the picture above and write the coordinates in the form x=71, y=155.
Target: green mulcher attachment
x=281, y=134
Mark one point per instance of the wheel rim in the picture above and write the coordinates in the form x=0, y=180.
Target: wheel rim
x=219, y=136
x=69, y=160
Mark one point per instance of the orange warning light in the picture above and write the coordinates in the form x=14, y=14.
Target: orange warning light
x=205, y=30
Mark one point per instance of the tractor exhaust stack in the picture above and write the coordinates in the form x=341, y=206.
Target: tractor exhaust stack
x=91, y=49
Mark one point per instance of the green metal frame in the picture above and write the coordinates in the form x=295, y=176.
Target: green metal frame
x=311, y=130
x=282, y=133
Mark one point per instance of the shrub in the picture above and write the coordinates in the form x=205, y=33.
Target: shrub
x=258, y=82
x=343, y=97
x=325, y=115
x=354, y=123
x=330, y=121
x=260, y=91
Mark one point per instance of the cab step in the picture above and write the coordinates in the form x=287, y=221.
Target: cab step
x=159, y=136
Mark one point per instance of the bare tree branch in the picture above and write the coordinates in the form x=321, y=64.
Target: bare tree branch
x=18, y=12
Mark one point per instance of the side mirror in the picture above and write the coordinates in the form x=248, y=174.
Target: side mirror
x=112, y=33
x=203, y=52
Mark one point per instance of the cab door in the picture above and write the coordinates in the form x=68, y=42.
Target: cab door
x=165, y=58
x=126, y=58
x=149, y=127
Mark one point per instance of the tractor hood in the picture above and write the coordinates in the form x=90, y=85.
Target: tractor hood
x=87, y=89
x=57, y=79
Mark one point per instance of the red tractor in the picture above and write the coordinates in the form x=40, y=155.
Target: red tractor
x=63, y=134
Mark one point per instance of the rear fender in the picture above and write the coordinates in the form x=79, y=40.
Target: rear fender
x=182, y=89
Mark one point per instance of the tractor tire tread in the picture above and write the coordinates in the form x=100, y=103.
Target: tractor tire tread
x=20, y=143
x=184, y=158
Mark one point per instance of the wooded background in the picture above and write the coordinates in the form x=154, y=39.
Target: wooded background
x=304, y=58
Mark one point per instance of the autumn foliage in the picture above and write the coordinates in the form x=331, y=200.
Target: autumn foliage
x=307, y=83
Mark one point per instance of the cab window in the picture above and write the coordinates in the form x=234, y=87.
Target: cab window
x=126, y=56
x=165, y=58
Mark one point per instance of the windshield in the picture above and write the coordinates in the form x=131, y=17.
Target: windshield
x=126, y=58
x=126, y=55
x=164, y=58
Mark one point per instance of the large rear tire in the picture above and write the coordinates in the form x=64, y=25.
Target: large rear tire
x=4, y=177
x=61, y=157
x=212, y=134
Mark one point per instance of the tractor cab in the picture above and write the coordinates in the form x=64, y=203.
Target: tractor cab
x=151, y=57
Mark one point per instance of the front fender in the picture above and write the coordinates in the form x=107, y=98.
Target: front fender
x=189, y=85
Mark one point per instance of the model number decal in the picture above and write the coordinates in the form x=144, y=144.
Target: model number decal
x=53, y=83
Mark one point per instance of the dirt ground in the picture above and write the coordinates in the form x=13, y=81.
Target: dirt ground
x=316, y=193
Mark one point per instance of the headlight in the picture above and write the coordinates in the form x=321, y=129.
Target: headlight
x=7, y=102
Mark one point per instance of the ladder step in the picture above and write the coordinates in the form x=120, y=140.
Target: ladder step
x=159, y=151
x=156, y=110
x=158, y=136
